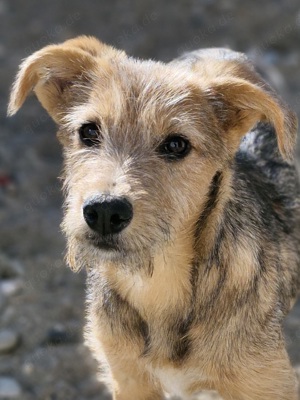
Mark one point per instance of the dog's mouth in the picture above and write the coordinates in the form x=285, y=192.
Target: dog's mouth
x=108, y=243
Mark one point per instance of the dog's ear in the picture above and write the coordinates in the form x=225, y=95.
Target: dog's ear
x=61, y=74
x=240, y=98
x=239, y=105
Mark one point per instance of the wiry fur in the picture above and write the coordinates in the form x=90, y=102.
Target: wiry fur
x=194, y=294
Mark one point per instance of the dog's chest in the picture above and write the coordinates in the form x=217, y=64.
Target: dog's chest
x=177, y=381
x=152, y=314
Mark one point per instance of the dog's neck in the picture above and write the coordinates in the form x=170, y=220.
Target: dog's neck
x=208, y=221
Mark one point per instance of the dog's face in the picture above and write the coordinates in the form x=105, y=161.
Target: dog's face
x=146, y=139
x=142, y=141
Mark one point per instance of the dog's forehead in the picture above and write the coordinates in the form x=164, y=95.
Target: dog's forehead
x=143, y=94
x=142, y=83
x=151, y=76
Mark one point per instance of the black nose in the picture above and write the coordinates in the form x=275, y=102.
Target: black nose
x=107, y=215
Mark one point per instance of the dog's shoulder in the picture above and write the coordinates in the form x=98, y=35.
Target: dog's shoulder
x=259, y=156
x=267, y=185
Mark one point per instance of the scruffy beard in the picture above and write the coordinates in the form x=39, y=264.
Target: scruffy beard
x=87, y=254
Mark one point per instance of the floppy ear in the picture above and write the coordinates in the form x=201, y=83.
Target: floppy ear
x=60, y=74
x=240, y=97
x=239, y=104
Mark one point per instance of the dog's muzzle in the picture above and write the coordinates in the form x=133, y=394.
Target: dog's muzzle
x=107, y=215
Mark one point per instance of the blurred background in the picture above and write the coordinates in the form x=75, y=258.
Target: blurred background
x=42, y=355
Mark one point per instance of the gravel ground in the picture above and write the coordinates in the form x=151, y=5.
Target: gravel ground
x=42, y=356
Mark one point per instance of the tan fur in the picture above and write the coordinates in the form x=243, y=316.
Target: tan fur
x=158, y=295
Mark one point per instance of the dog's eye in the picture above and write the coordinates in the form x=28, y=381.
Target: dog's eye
x=174, y=147
x=89, y=134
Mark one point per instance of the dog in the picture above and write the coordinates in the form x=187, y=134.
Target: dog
x=182, y=203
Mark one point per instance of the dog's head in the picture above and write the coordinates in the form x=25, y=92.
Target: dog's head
x=143, y=140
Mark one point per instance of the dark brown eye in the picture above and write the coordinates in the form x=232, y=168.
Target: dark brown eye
x=89, y=134
x=174, y=147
